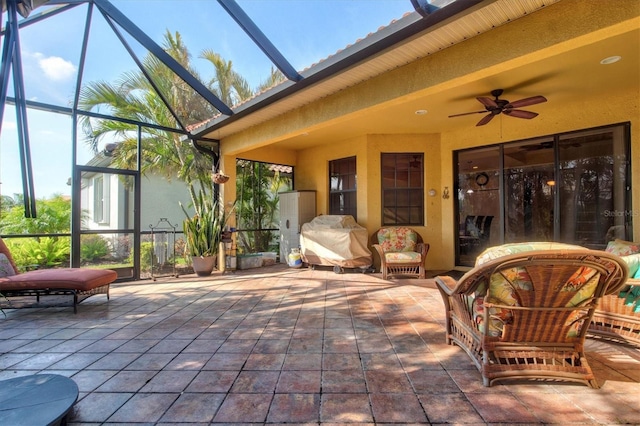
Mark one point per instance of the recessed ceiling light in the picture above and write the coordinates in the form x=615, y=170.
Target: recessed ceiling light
x=421, y=112
x=610, y=60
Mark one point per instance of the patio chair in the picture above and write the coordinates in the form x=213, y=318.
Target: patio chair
x=401, y=251
x=476, y=234
x=525, y=315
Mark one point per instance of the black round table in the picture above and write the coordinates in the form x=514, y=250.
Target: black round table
x=39, y=399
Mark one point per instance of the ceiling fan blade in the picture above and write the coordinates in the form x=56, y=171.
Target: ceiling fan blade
x=520, y=113
x=488, y=102
x=526, y=102
x=487, y=118
x=468, y=113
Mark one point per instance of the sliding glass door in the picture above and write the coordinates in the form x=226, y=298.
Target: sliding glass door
x=573, y=188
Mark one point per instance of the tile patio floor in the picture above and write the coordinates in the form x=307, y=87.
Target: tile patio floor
x=289, y=346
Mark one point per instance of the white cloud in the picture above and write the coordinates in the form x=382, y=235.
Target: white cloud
x=55, y=67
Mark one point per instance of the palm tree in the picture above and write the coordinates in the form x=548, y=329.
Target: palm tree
x=275, y=77
x=133, y=97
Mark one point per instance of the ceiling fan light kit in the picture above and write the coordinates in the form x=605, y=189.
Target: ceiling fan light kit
x=502, y=106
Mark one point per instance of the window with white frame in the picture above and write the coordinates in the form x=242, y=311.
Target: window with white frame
x=101, y=199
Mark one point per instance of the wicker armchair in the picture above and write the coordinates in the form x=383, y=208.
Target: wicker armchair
x=526, y=315
x=401, y=251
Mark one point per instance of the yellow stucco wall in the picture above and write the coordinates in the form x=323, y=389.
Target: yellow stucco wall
x=564, y=25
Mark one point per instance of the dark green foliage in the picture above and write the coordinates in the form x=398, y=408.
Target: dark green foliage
x=93, y=248
x=43, y=252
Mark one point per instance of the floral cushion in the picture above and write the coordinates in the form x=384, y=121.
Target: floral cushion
x=633, y=262
x=622, y=248
x=402, y=257
x=397, y=239
x=501, y=288
x=6, y=270
x=506, y=249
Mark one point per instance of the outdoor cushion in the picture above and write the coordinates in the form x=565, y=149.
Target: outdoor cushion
x=500, y=288
x=397, y=239
x=81, y=279
x=402, y=256
x=622, y=248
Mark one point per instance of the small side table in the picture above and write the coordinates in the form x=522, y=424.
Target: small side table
x=39, y=399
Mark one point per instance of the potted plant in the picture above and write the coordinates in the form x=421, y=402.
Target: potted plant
x=203, y=232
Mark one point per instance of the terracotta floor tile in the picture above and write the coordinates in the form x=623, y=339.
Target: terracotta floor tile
x=193, y=407
x=345, y=408
x=282, y=347
x=302, y=362
x=271, y=346
x=341, y=381
x=40, y=361
x=255, y=382
x=113, y=361
x=387, y=381
x=97, y=407
x=294, y=408
x=237, y=346
x=213, y=381
x=501, y=408
x=264, y=362
x=89, y=380
x=332, y=361
x=438, y=381
x=150, y=361
x=127, y=381
x=188, y=361
x=242, y=407
x=226, y=361
x=169, y=381
x=553, y=408
x=144, y=407
x=297, y=381
x=397, y=408
x=452, y=408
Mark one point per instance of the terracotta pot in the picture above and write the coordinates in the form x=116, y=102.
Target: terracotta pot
x=203, y=265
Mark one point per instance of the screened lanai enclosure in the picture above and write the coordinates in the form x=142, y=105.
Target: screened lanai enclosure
x=96, y=166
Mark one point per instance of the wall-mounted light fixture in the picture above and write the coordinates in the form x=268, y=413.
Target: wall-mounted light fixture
x=432, y=192
x=445, y=193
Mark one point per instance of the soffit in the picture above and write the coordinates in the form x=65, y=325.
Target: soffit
x=484, y=18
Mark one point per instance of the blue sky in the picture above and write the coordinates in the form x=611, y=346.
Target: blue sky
x=305, y=31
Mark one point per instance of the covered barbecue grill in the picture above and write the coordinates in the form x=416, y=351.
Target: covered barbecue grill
x=335, y=240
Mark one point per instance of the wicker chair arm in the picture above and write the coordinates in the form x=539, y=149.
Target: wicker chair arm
x=423, y=249
x=446, y=284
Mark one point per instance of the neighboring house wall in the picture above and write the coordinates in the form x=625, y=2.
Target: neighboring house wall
x=564, y=26
x=160, y=199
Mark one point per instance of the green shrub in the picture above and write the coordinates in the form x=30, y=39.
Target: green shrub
x=146, y=251
x=43, y=252
x=93, y=248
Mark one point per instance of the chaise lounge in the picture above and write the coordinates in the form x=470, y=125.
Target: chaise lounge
x=80, y=283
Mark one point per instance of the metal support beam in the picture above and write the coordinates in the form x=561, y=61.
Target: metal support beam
x=258, y=37
x=11, y=60
x=163, y=56
x=423, y=7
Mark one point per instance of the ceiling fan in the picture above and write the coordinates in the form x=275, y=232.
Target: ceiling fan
x=497, y=106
